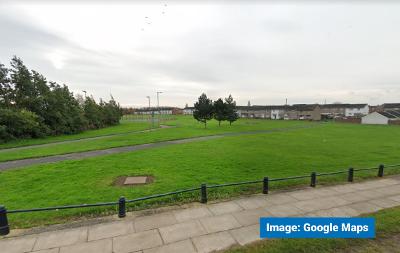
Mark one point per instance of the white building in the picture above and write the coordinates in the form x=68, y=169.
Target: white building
x=381, y=118
x=188, y=110
x=356, y=110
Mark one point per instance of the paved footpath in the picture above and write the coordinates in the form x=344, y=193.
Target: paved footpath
x=86, y=154
x=206, y=228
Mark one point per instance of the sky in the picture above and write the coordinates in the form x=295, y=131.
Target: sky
x=262, y=52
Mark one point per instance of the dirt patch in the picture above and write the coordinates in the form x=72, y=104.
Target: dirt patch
x=121, y=181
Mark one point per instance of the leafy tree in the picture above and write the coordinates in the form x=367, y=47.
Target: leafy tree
x=220, y=111
x=203, y=109
x=231, y=112
x=5, y=88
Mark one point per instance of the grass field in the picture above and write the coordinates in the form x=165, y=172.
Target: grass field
x=387, y=235
x=328, y=147
x=184, y=127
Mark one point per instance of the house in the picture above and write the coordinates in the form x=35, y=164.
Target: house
x=390, y=106
x=344, y=110
x=304, y=112
x=382, y=117
x=188, y=110
x=158, y=110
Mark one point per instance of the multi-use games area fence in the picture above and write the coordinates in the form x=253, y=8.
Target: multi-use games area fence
x=122, y=202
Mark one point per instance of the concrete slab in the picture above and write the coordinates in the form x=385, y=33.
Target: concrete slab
x=245, y=235
x=192, y=213
x=17, y=245
x=304, y=194
x=395, y=198
x=279, y=198
x=354, y=197
x=109, y=230
x=100, y=246
x=135, y=180
x=55, y=250
x=326, y=192
x=371, y=194
x=213, y=242
x=343, y=188
x=61, y=238
x=224, y=207
x=252, y=202
x=251, y=217
x=185, y=246
x=391, y=190
x=219, y=223
x=342, y=211
x=137, y=241
x=284, y=210
x=182, y=231
x=384, y=202
x=365, y=207
x=144, y=223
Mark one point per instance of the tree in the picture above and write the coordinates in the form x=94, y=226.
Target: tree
x=231, y=112
x=220, y=111
x=6, y=91
x=203, y=109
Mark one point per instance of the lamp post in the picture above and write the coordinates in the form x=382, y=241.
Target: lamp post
x=151, y=115
x=84, y=92
x=158, y=107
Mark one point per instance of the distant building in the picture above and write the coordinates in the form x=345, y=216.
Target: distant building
x=161, y=110
x=382, y=117
x=390, y=106
x=188, y=110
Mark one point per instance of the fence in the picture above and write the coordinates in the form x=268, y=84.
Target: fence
x=121, y=203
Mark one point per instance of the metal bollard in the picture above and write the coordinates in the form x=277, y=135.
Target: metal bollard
x=313, y=179
x=203, y=193
x=380, y=170
x=121, y=207
x=4, y=227
x=350, y=175
x=265, y=185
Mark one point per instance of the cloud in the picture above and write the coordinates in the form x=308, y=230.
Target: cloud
x=263, y=52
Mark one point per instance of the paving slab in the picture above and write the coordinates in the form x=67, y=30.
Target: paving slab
x=213, y=242
x=219, y=223
x=284, y=210
x=391, y=189
x=61, y=238
x=224, y=208
x=245, y=235
x=251, y=217
x=279, y=199
x=182, y=231
x=144, y=223
x=354, y=197
x=252, y=202
x=192, y=213
x=365, y=207
x=17, y=245
x=345, y=188
x=109, y=230
x=185, y=246
x=137, y=241
x=384, y=202
x=304, y=194
x=55, y=250
x=100, y=246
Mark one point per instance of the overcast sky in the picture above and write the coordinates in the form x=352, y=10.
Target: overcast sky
x=307, y=51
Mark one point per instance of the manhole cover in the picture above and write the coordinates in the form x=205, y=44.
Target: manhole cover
x=135, y=180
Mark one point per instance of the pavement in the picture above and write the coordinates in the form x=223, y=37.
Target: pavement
x=209, y=227
x=86, y=154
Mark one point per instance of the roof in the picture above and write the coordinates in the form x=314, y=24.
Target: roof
x=391, y=105
x=391, y=114
x=343, y=105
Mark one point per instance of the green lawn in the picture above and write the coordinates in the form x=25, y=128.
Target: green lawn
x=328, y=147
x=387, y=235
x=185, y=127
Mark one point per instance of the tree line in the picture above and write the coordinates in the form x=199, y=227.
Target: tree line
x=32, y=107
x=205, y=109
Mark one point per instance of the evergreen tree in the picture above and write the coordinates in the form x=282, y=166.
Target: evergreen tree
x=6, y=91
x=220, y=112
x=203, y=109
x=231, y=112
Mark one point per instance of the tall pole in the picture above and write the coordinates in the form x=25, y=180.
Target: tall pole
x=158, y=106
x=152, y=120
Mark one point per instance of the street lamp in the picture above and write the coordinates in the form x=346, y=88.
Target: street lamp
x=84, y=92
x=158, y=107
x=148, y=97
